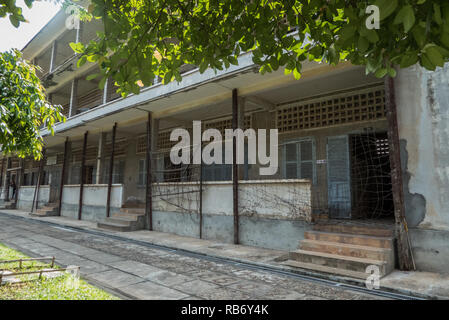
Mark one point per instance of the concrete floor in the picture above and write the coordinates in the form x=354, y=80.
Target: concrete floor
x=47, y=238
x=138, y=272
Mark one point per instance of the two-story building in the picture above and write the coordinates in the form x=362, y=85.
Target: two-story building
x=332, y=194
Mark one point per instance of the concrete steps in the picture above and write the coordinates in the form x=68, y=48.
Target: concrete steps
x=345, y=249
x=355, y=229
x=337, y=261
x=49, y=210
x=128, y=219
x=11, y=204
x=325, y=269
x=362, y=240
x=349, y=250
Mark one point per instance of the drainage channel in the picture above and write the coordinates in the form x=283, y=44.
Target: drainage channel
x=230, y=261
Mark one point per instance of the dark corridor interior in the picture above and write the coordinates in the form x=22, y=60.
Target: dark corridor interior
x=372, y=196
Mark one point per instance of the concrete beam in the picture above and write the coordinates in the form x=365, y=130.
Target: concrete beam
x=260, y=102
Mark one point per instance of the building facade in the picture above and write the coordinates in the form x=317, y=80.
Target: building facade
x=334, y=151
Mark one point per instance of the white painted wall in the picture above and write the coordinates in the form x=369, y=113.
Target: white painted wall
x=287, y=199
x=26, y=193
x=93, y=195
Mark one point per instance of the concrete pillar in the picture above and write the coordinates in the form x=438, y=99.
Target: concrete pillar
x=105, y=92
x=73, y=98
x=79, y=32
x=100, y=158
x=53, y=56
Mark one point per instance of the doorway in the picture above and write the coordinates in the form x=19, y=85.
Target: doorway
x=372, y=193
x=359, y=177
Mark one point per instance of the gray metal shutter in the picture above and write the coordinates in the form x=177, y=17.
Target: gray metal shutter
x=307, y=160
x=338, y=177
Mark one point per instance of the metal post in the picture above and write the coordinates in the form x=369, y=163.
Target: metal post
x=235, y=168
x=201, y=198
x=38, y=183
x=83, y=161
x=148, y=185
x=111, y=171
x=7, y=177
x=2, y=180
x=19, y=180
x=61, y=186
x=405, y=255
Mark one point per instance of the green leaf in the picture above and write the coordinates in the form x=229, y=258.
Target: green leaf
x=381, y=72
x=14, y=20
x=437, y=13
x=92, y=76
x=363, y=44
x=406, y=16
x=409, y=59
x=432, y=52
x=81, y=61
x=387, y=7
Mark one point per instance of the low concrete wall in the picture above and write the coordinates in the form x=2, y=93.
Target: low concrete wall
x=26, y=195
x=272, y=214
x=281, y=234
x=277, y=199
x=94, y=201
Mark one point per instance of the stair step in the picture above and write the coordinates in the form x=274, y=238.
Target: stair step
x=140, y=211
x=354, y=229
x=361, y=240
x=114, y=226
x=338, y=261
x=130, y=216
x=52, y=205
x=120, y=220
x=350, y=250
x=325, y=269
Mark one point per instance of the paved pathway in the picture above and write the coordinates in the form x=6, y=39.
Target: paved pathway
x=139, y=272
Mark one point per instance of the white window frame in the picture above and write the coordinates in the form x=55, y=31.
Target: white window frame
x=298, y=161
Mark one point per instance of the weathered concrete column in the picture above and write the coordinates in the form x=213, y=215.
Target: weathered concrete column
x=100, y=158
x=106, y=92
x=73, y=106
x=53, y=57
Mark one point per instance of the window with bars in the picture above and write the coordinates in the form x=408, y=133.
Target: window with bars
x=117, y=171
x=299, y=160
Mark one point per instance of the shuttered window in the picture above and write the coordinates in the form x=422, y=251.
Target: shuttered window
x=299, y=160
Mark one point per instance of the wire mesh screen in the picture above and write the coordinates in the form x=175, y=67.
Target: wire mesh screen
x=176, y=187
x=371, y=176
